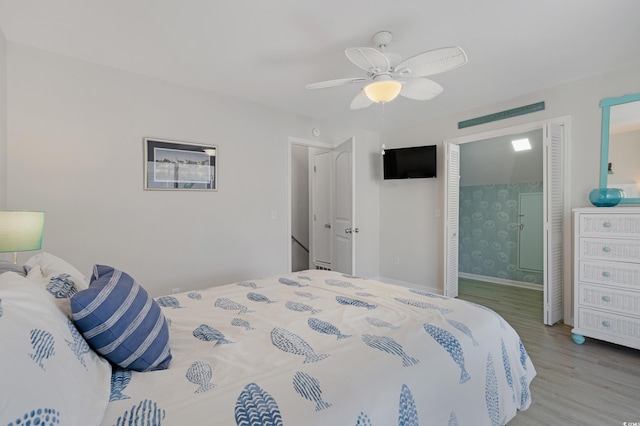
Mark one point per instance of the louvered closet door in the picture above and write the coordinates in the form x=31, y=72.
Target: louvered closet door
x=553, y=211
x=452, y=203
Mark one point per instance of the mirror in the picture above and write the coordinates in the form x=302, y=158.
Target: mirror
x=619, y=165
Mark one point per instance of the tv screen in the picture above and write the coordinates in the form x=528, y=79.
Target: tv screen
x=410, y=163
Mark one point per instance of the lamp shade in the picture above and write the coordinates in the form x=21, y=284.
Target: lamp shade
x=383, y=91
x=20, y=231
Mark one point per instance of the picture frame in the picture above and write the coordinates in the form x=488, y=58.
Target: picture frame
x=179, y=166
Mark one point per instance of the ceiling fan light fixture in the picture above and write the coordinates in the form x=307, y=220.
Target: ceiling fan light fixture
x=387, y=75
x=383, y=91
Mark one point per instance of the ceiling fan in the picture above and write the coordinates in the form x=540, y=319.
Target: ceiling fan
x=388, y=76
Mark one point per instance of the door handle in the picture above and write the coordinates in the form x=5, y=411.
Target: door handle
x=347, y=230
x=351, y=230
x=356, y=230
x=327, y=225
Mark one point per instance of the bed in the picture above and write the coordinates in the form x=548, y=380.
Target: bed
x=306, y=348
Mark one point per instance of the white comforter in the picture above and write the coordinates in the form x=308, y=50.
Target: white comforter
x=319, y=348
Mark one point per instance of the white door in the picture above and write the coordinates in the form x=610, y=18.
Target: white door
x=531, y=231
x=452, y=211
x=553, y=222
x=343, y=230
x=321, y=208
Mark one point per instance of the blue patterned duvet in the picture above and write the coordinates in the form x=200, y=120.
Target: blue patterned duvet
x=319, y=348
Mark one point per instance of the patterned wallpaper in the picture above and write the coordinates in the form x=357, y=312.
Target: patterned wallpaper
x=488, y=235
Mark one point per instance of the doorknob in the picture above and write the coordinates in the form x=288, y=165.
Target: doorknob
x=347, y=230
x=356, y=230
x=327, y=225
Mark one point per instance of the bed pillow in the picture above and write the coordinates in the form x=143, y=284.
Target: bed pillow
x=121, y=322
x=52, y=267
x=6, y=266
x=47, y=368
x=61, y=280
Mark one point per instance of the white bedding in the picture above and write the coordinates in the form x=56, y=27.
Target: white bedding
x=319, y=348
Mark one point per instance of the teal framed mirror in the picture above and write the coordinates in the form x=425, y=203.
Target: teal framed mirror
x=619, y=165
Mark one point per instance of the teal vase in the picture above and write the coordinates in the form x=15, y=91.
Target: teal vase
x=606, y=197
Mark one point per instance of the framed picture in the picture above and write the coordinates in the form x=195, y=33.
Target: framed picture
x=179, y=166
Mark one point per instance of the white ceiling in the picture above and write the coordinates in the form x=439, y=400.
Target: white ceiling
x=266, y=51
x=493, y=161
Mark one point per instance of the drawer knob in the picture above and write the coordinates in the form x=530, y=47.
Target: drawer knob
x=606, y=323
x=607, y=224
x=606, y=249
x=606, y=274
x=606, y=298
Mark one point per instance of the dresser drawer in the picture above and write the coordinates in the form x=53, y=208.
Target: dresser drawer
x=609, y=224
x=622, y=301
x=608, y=323
x=616, y=249
x=612, y=273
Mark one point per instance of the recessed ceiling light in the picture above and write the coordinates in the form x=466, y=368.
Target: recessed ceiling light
x=521, y=144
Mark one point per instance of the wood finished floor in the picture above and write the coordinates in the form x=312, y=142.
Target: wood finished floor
x=593, y=384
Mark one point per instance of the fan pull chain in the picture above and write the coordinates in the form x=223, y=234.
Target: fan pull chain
x=382, y=130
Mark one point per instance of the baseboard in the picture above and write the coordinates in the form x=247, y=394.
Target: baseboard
x=500, y=281
x=409, y=285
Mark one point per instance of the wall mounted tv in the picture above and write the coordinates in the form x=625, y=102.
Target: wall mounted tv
x=410, y=163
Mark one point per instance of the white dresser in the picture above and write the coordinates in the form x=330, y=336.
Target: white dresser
x=606, y=272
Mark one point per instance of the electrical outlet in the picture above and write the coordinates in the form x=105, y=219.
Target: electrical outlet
x=396, y=260
x=175, y=290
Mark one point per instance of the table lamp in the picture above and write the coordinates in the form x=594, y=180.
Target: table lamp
x=20, y=231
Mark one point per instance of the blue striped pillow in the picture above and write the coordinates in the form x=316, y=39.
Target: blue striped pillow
x=121, y=322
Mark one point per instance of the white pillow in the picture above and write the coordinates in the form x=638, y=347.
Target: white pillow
x=47, y=368
x=52, y=266
x=59, y=278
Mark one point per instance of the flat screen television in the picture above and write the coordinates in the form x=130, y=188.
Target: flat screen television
x=410, y=163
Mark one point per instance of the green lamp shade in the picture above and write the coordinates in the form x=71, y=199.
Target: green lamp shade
x=20, y=231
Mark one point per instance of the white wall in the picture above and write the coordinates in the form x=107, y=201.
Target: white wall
x=3, y=121
x=74, y=149
x=410, y=228
x=75, y=134
x=3, y=130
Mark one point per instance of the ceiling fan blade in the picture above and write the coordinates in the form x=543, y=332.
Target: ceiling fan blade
x=360, y=101
x=420, y=89
x=368, y=58
x=432, y=62
x=334, y=83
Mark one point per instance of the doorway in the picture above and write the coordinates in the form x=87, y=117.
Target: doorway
x=321, y=205
x=494, y=178
x=492, y=241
